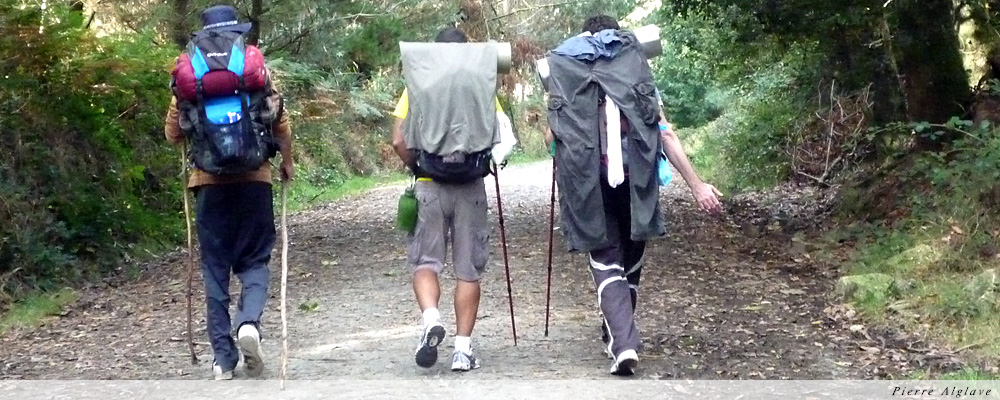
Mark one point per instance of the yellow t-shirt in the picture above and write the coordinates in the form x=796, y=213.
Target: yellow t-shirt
x=403, y=106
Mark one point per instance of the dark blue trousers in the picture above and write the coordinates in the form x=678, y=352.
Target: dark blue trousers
x=236, y=233
x=616, y=271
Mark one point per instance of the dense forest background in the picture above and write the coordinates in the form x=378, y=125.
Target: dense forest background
x=889, y=103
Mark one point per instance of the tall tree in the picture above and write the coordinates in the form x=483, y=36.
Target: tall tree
x=256, y=12
x=934, y=78
x=179, y=31
x=915, y=43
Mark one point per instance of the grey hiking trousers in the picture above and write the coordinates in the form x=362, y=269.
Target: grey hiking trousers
x=451, y=214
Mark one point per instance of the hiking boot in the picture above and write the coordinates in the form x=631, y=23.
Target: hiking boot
x=221, y=375
x=427, y=349
x=253, y=358
x=625, y=364
x=462, y=361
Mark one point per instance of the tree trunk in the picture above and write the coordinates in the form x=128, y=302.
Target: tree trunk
x=180, y=31
x=472, y=20
x=256, y=11
x=934, y=79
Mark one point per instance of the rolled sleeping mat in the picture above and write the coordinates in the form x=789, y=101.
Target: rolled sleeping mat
x=505, y=59
x=649, y=40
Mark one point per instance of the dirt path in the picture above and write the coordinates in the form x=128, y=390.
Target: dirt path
x=714, y=304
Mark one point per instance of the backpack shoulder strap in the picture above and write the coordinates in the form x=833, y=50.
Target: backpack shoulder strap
x=237, y=57
x=197, y=59
x=212, y=51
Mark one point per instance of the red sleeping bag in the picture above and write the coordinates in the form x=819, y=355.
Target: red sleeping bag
x=220, y=82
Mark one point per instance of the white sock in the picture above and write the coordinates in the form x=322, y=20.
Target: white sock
x=431, y=315
x=463, y=344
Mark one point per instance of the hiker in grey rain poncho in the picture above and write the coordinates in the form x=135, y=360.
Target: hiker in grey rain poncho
x=447, y=129
x=609, y=130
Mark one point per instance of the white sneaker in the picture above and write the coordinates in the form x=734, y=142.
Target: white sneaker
x=221, y=375
x=462, y=361
x=253, y=358
x=625, y=364
x=427, y=352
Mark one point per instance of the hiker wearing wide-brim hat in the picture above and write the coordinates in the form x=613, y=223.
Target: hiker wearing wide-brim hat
x=231, y=122
x=222, y=19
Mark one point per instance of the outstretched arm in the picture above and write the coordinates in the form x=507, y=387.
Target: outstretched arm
x=706, y=195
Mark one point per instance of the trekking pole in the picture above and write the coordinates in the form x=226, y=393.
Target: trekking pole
x=284, y=283
x=190, y=260
x=552, y=223
x=503, y=242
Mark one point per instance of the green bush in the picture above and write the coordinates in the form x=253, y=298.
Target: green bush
x=374, y=45
x=342, y=129
x=528, y=118
x=745, y=148
x=939, y=232
x=684, y=73
x=88, y=176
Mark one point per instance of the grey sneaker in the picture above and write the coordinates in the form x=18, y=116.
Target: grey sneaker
x=427, y=349
x=221, y=375
x=462, y=361
x=625, y=364
x=253, y=358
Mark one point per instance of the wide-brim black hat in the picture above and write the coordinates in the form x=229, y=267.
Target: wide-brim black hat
x=222, y=18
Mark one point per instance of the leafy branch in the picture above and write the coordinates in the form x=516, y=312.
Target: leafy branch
x=955, y=124
x=530, y=8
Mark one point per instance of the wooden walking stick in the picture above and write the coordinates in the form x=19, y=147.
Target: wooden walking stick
x=552, y=223
x=190, y=260
x=503, y=243
x=284, y=282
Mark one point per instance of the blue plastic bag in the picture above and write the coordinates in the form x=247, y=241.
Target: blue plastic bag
x=664, y=172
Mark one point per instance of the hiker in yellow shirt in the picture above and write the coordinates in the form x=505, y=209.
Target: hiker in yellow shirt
x=458, y=207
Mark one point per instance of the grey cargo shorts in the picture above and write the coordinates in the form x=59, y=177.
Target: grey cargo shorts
x=453, y=213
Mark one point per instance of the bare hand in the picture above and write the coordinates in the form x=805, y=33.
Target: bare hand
x=707, y=197
x=287, y=171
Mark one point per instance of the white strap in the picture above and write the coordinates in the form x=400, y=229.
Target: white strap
x=616, y=171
